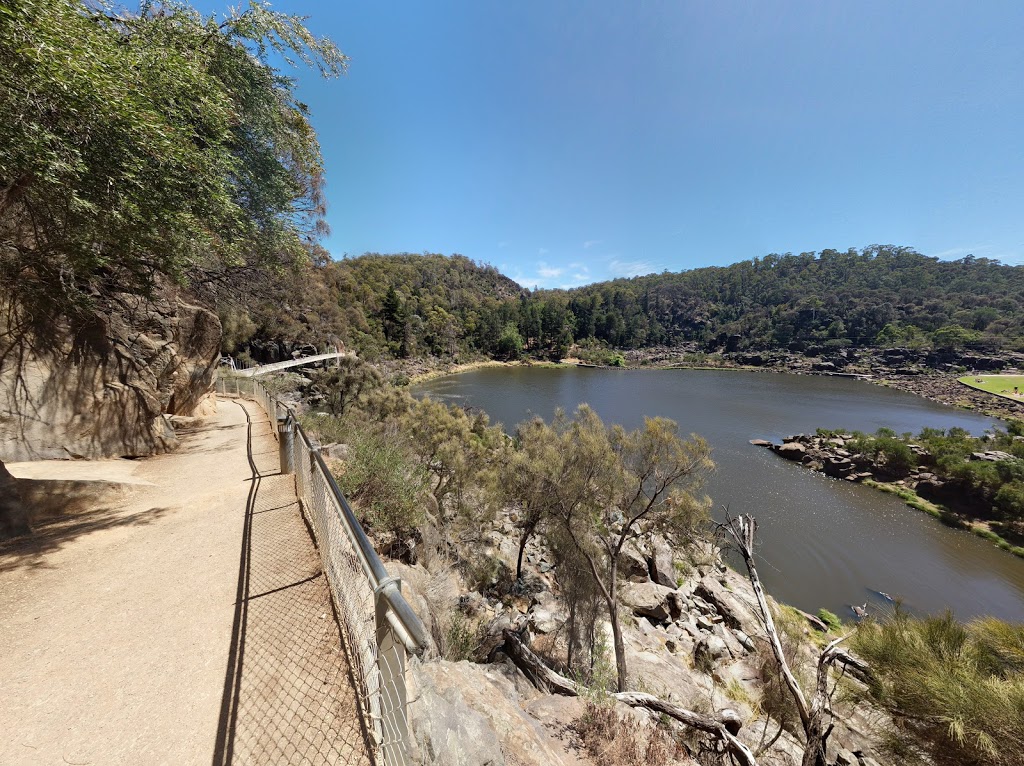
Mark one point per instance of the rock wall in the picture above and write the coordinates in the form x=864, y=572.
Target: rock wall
x=102, y=387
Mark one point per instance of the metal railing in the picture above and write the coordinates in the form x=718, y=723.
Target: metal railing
x=379, y=626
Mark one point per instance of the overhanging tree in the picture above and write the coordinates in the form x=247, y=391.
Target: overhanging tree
x=153, y=143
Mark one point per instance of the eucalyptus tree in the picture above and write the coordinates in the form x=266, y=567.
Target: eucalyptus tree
x=150, y=144
x=602, y=488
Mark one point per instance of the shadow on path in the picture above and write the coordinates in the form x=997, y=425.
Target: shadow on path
x=288, y=697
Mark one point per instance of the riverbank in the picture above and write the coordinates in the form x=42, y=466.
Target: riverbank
x=932, y=375
x=907, y=471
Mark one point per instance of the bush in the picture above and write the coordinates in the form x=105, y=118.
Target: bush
x=830, y=618
x=957, y=690
x=383, y=481
x=1009, y=500
x=614, y=740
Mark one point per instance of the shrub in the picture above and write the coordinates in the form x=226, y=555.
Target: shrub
x=830, y=618
x=383, y=481
x=956, y=690
x=1009, y=500
x=614, y=740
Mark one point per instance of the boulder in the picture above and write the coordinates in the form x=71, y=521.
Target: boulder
x=735, y=614
x=662, y=568
x=791, y=450
x=845, y=758
x=463, y=714
x=647, y=599
x=709, y=649
x=838, y=467
x=633, y=563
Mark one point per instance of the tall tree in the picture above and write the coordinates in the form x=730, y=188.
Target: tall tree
x=152, y=143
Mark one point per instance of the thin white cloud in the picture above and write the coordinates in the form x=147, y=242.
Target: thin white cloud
x=960, y=252
x=619, y=268
x=503, y=244
x=591, y=243
x=543, y=251
x=549, y=272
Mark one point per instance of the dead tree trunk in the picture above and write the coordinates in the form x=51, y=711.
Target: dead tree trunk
x=816, y=715
x=547, y=680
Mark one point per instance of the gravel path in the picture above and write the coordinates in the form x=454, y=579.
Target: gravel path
x=186, y=623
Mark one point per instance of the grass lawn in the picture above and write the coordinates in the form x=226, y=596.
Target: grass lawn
x=1000, y=385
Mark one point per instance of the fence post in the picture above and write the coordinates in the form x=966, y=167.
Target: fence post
x=285, y=440
x=391, y=666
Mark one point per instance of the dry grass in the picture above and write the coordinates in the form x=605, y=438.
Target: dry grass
x=613, y=740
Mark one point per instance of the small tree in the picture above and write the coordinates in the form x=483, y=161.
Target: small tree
x=602, y=488
x=347, y=384
x=455, y=448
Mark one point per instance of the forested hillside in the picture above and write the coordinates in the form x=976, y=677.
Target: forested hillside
x=412, y=305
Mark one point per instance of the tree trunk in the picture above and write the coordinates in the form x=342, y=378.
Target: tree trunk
x=550, y=682
x=620, y=646
x=527, y=532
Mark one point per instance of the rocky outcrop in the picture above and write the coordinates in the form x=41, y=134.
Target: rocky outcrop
x=14, y=517
x=463, y=714
x=104, y=387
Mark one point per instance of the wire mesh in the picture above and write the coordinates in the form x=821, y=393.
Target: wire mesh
x=375, y=651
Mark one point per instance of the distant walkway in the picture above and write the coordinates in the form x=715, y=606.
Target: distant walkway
x=263, y=369
x=185, y=622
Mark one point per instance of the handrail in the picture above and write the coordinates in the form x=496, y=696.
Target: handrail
x=412, y=631
x=379, y=625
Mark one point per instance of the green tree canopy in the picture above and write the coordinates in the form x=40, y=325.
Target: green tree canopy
x=161, y=142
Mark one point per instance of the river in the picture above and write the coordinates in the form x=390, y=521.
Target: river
x=824, y=542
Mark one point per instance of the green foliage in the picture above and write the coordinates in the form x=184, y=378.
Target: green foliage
x=954, y=336
x=957, y=690
x=458, y=451
x=381, y=480
x=410, y=305
x=460, y=639
x=830, y=618
x=350, y=382
x=510, y=343
x=153, y=143
x=1009, y=500
x=596, y=488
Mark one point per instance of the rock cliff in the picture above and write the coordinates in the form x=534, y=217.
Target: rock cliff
x=103, y=387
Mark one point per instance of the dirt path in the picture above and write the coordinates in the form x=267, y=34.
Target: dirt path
x=124, y=637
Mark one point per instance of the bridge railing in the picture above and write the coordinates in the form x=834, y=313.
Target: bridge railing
x=379, y=626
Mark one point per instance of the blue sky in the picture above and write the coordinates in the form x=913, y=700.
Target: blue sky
x=567, y=143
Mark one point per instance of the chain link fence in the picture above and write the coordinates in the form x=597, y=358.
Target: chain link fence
x=379, y=627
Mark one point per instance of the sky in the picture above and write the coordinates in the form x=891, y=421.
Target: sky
x=571, y=142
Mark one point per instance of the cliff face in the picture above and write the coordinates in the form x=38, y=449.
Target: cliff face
x=101, y=388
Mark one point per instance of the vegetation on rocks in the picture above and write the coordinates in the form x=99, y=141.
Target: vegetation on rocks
x=151, y=143
x=963, y=480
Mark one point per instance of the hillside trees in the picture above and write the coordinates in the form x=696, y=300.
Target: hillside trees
x=409, y=305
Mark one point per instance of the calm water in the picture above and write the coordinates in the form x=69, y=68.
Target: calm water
x=825, y=542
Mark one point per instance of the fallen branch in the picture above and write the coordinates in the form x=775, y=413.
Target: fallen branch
x=547, y=680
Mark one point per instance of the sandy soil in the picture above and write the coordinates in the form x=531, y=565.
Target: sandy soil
x=117, y=623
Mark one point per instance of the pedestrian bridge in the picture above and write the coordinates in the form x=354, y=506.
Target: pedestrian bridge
x=264, y=369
